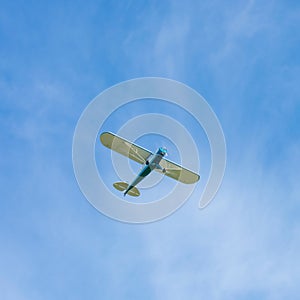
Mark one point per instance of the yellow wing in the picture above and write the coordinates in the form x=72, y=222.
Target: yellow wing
x=178, y=172
x=125, y=147
x=140, y=155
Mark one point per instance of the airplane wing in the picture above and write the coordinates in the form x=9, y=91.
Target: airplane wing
x=178, y=172
x=124, y=147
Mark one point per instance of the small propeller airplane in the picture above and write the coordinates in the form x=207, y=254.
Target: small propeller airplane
x=151, y=161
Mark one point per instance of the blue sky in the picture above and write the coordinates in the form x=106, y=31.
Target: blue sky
x=243, y=57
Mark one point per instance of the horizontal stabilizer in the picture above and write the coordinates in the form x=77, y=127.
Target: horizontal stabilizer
x=134, y=192
x=122, y=186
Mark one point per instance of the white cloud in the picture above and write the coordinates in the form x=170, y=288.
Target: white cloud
x=242, y=245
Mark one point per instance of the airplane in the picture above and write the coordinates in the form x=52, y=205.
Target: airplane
x=150, y=161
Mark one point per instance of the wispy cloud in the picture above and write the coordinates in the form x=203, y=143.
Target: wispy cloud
x=241, y=246
x=244, y=245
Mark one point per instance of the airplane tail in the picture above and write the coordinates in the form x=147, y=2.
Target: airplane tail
x=122, y=186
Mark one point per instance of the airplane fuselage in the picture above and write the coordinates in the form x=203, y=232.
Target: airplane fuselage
x=150, y=165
